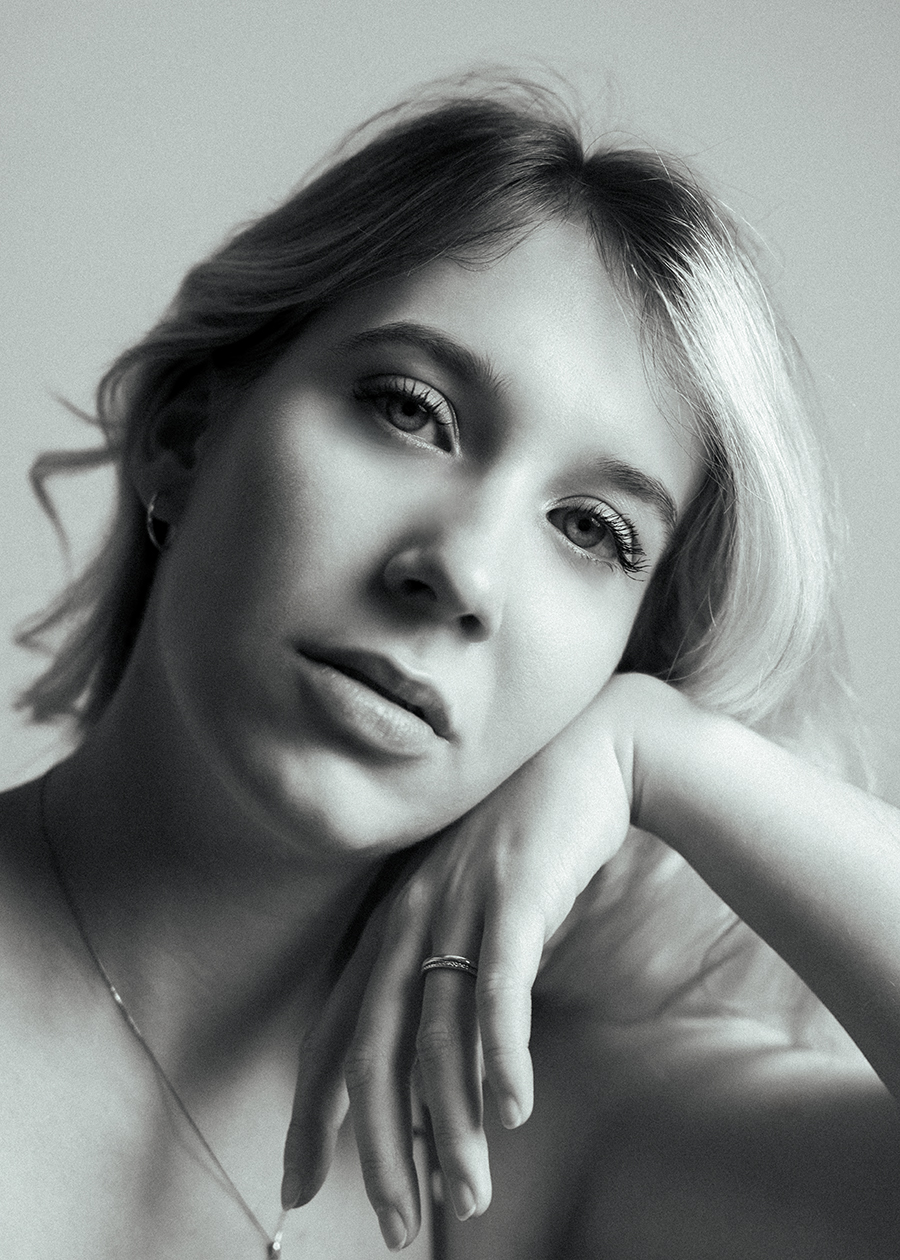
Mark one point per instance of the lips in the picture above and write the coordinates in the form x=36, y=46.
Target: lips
x=381, y=674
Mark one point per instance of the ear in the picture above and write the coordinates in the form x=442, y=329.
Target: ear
x=163, y=461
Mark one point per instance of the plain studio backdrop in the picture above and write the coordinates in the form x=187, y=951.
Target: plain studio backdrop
x=134, y=136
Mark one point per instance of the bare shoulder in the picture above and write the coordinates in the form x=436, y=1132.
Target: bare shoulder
x=777, y=1152
x=35, y=938
x=27, y=894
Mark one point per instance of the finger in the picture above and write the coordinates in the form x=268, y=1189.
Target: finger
x=378, y=1071
x=511, y=950
x=450, y=1068
x=320, y=1099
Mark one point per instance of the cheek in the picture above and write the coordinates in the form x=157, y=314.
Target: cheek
x=570, y=643
x=271, y=518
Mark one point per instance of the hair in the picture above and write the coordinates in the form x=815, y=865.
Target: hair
x=739, y=613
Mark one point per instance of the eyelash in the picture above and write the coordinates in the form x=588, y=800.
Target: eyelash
x=381, y=391
x=630, y=555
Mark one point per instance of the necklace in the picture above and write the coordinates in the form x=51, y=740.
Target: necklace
x=273, y=1242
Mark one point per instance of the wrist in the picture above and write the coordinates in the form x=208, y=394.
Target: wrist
x=666, y=728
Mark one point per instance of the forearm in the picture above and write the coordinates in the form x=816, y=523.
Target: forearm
x=811, y=863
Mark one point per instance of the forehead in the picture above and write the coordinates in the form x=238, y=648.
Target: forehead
x=548, y=334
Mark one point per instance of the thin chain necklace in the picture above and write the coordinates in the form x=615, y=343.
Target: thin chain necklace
x=273, y=1242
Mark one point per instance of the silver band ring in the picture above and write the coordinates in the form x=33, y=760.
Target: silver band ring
x=449, y=962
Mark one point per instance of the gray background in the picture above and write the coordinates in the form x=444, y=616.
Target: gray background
x=134, y=135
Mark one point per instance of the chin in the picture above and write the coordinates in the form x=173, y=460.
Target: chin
x=331, y=805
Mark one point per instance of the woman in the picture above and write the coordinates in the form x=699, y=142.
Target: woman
x=467, y=515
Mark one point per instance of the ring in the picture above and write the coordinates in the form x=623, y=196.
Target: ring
x=449, y=962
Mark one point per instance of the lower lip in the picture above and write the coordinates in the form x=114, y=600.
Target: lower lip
x=364, y=714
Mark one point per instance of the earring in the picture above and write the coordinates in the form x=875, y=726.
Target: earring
x=160, y=545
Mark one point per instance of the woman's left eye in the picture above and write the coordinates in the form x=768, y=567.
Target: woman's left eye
x=424, y=416
x=601, y=534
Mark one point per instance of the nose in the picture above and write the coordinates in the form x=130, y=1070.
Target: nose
x=453, y=575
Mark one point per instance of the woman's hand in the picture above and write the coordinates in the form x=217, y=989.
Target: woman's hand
x=811, y=863
x=494, y=888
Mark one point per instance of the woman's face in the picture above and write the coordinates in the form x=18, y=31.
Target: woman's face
x=416, y=549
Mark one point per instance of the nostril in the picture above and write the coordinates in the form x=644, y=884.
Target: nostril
x=415, y=588
x=426, y=583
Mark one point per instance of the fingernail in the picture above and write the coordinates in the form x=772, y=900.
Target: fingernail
x=463, y=1200
x=393, y=1230
x=291, y=1189
x=510, y=1113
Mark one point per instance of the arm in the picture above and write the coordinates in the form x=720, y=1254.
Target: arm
x=812, y=865
x=495, y=887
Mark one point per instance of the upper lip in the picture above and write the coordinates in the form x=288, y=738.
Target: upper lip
x=385, y=676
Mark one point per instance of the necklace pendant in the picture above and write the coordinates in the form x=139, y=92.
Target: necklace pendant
x=274, y=1247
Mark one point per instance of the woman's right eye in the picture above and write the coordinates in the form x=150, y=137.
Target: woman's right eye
x=415, y=410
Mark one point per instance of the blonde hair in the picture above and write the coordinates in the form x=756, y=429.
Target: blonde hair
x=739, y=613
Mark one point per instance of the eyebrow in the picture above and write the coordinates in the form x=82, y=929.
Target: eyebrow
x=465, y=363
x=639, y=485
x=449, y=354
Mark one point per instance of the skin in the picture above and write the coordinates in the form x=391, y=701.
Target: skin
x=218, y=828
x=665, y=1122
x=326, y=510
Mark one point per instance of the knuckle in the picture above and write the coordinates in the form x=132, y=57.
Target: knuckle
x=500, y=984
x=500, y=1058
x=455, y=1131
x=378, y=1167
x=381, y=1173
x=492, y=979
x=361, y=1068
x=413, y=899
x=435, y=1040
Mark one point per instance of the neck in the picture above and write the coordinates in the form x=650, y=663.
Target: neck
x=216, y=931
